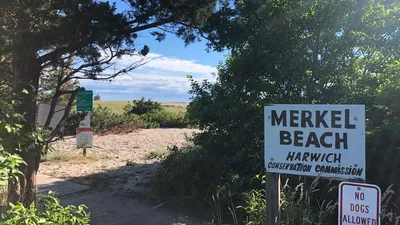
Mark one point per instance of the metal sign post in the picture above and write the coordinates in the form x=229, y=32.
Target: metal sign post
x=84, y=133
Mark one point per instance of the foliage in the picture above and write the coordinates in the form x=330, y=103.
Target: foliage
x=300, y=52
x=13, y=134
x=140, y=107
x=50, y=84
x=96, y=97
x=183, y=173
x=72, y=123
x=9, y=166
x=155, y=155
x=117, y=107
x=79, y=39
x=130, y=163
x=308, y=202
x=255, y=207
x=165, y=119
x=52, y=213
x=103, y=120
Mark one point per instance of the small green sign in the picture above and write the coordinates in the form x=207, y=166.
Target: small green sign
x=84, y=101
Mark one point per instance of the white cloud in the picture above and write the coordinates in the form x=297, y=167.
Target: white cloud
x=163, y=63
x=159, y=73
x=174, y=64
x=135, y=80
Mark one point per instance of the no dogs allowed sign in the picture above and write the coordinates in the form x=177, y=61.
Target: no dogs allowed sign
x=359, y=204
x=312, y=140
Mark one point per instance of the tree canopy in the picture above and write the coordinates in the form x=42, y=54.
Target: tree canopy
x=303, y=52
x=64, y=40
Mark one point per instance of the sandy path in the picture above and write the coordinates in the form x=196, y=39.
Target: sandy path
x=107, y=163
x=106, y=166
x=109, y=209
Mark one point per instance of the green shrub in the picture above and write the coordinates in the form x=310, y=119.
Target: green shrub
x=104, y=120
x=9, y=166
x=72, y=123
x=255, y=207
x=165, y=119
x=52, y=213
x=155, y=155
x=130, y=163
x=140, y=107
x=183, y=173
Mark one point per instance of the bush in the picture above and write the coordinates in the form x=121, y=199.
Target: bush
x=72, y=123
x=143, y=114
x=102, y=119
x=96, y=97
x=165, y=119
x=52, y=213
x=255, y=207
x=140, y=107
x=183, y=173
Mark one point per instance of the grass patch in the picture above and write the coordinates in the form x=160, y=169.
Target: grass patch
x=117, y=107
x=78, y=158
x=130, y=163
x=175, y=109
x=155, y=155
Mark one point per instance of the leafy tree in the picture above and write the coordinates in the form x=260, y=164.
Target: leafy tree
x=336, y=52
x=50, y=85
x=140, y=107
x=11, y=126
x=85, y=37
x=96, y=97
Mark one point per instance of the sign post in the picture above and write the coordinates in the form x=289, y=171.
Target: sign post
x=273, y=186
x=359, y=204
x=84, y=133
x=312, y=140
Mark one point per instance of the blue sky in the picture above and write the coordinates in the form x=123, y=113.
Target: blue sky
x=163, y=78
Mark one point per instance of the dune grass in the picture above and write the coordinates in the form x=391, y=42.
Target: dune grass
x=118, y=106
x=71, y=157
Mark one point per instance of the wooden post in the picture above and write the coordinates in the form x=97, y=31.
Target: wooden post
x=84, y=152
x=273, y=188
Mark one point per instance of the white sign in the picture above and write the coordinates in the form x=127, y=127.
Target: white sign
x=43, y=111
x=359, y=204
x=84, y=137
x=315, y=140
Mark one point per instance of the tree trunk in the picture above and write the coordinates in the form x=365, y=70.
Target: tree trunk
x=26, y=73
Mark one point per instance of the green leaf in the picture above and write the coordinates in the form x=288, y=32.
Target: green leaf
x=8, y=128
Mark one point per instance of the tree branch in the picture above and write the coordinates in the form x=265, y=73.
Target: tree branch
x=196, y=28
x=152, y=25
x=54, y=101
x=55, y=131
